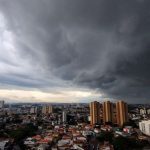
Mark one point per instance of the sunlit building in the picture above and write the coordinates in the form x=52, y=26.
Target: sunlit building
x=121, y=112
x=94, y=112
x=47, y=109
x=107, y=112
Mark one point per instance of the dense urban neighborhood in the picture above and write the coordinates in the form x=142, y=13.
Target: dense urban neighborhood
x=74, y=74
x=70, y=126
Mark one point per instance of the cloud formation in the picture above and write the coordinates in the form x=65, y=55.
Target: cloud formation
x=101, y=45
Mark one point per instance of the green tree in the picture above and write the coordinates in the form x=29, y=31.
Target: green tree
x=130, y=123
x=120, y=143
x=105, y=136
x=21, y=133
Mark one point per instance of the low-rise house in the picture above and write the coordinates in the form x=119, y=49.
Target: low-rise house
x=65, y=147
x=79, y=143
x=3, y=144
x=128, y=129
x=121, y=133
x=77, y=147
x=66, y=137
x=43, y=141
x=87, y=133
x=64, y=144
x=30, y=142
x=106, y=146
x=96, y=130
x=48, y=138
x=37, y=137
x=106, y=128
x=42, y=147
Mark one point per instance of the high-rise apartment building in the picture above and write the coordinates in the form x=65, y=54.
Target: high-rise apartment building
x=107, y=112
x=1, y=104
x=47, y=109
x=121, y=112
x=33, y=110
x=145, y=127
x=94, y=112
x=64, y=116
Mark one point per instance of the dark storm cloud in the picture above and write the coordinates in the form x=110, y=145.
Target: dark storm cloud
x=99, y=44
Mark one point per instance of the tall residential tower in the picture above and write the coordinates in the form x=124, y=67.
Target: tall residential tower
x=121, y=112
x=1, y=104
x=107, y=112
x=47, y=109
x=95, y=112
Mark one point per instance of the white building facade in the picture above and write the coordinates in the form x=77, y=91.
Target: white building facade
x=64, y=116
x=145, y=127
x=1, y=104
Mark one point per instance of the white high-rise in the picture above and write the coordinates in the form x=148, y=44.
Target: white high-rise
x=145, y=127
x=64, y=116
x=1, y=104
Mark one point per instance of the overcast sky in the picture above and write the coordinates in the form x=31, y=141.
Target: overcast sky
x=74, y=50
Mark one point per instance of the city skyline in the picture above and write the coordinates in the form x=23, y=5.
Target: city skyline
x=74, y=51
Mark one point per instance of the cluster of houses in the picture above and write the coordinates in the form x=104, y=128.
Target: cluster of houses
x=63, y=138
